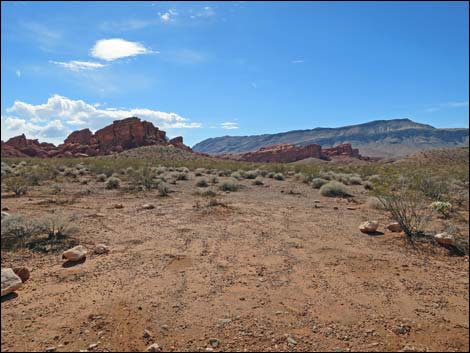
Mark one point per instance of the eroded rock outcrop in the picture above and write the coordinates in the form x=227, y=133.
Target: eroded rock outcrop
x=119, y=136
x=285, y=153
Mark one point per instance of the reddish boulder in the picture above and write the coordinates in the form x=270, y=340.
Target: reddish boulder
x=283, y=153
x=81, y=137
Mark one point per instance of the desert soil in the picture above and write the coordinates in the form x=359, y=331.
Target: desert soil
x=270, y=271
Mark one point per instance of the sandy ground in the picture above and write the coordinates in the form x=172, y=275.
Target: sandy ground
x=271, y=271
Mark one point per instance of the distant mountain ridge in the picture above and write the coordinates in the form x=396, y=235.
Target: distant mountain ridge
x=380, y=138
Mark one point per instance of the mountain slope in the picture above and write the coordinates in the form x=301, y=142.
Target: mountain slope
x=381, y=138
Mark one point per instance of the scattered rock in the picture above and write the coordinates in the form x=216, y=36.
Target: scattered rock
x=214, y=342
x=394, y=227
x=93, y=345
x=101, y=249
x=10, y=281
x=119, y=205
x=5, y=214
x=369, y=227
x=76, y=253
x=445, y=238
x=22, y=272
x=5, y=208
x=147, y=334
x=153, y=348
x=401, y=329
x=148, y=206
x=291, y=341
x=351, y=208
x=50, y=349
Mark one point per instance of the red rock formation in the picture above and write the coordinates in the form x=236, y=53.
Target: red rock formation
x=117, y=137
x=283, y=153
x=344, y=149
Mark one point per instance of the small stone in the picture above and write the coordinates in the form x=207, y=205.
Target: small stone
x=214, y=342
x=148, y=206
x=22, y=272
x=351, y=208
x=5, y=208
x=445, y=238
x=10, y=281
x=401, y=329
x=153, y=348
x=291, y=341
x=165, y=327
x=147, y=334
x=119, y=205
x=76, y=253
x=93, y=345
x=101, y=249
x=394, y=227
x=369, y=227
x=5, y=214
x=50, y=349
x=316, y=201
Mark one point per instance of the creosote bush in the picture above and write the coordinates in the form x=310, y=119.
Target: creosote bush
x=17, y=230
x=17, y=184
x=278, y=176
x=317, y=183
x=229, y=186
x=202, y=183
x=113, y=183
x=335, y=189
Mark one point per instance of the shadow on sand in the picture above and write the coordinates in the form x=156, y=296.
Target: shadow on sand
x=68, y=264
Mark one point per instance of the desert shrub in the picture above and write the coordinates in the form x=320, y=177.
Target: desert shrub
x=17, y=230
x=317, y=183
x=230, y=185
x=17, y=185
x=258, y=181
x=101, y=177
x=374, y=178
x=406, y=203
x=222, y=173
x=69, y=172
x=163, y=189
x=368, y=185
x=433, y=187
x=142, y=179
x=278, y=176
x=181, y=176
x=236, y=175
x=202, y=183
x=213, y=179
x=355, y=180
x=6, y=170
x=374, y=203
x=251, y=174
x=208, y=193
x=270, y=175
x=200, y=171
x=58, y=226
x=263, y=172
x=113, y=183
x=442, y=208
x=160, y=170
x=335, y=189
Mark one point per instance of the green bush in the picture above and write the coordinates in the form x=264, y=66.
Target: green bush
x=229, y=186
x=113, y=183
x=163, y=189
x=17, y=230
x=317, y=183
x=335, y=189
x=202, y=183
x=278, y=176
x=17, y=185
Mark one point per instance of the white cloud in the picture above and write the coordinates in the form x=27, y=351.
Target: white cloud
x=457, y=104
x=447, y=105
x=228, y=125
x=61, y=115
x=299, y=61
x=76, y=65
x=18, y=73
x=168, y=16
x=117, y=48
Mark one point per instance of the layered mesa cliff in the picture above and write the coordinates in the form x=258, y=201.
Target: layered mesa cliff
x=119, y=136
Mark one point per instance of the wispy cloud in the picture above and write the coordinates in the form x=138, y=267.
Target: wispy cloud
x=117, y=48
x=229, y=125
x=18, y=73
x=131, y=24
x=298, y=61
x=168, y=16
x=447, y=105
x=47, y=39
x=206, y=11
x=76, y=65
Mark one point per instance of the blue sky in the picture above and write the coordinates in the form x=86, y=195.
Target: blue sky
x=207, y=69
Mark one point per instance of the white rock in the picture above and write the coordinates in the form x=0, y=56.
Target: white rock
x=10, y=281
x=77, y=253
x=394, y=227
x=153, y=348
x=5, y=214
x=369, y=227
x=101, y=249
x=445, y=238
x=148, y=206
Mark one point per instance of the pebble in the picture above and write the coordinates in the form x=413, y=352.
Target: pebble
x=291, y=341
x=214, y=342
x=153, y=348
x=147, y=334
x=148, y=206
